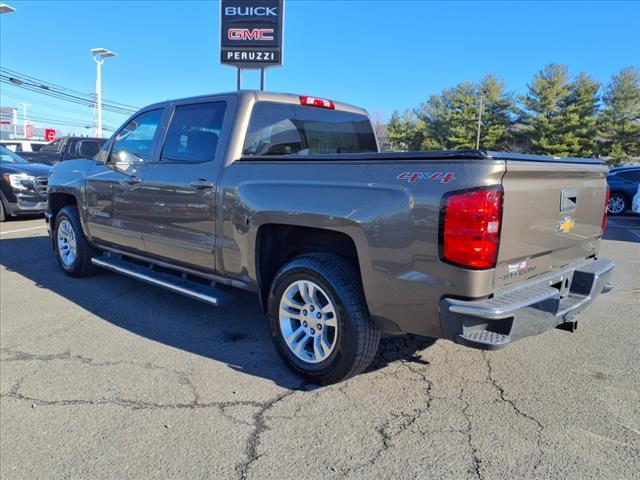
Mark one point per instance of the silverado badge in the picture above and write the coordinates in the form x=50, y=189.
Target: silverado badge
x=565, y=225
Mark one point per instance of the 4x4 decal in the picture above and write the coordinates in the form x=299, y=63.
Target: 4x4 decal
x=412, y=177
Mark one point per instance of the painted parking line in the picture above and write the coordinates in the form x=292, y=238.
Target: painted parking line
x=23, y=230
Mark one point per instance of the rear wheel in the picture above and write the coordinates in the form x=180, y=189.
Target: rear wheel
x=617, y=205
x=3, y=215
x=318, y=318
x=72, y=248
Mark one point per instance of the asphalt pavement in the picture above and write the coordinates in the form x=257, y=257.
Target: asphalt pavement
x=106, y=377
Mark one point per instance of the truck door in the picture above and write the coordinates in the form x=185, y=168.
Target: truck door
x=179, y=191
x=114, y=210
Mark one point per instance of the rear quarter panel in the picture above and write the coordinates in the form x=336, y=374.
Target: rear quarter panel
x=392, y=220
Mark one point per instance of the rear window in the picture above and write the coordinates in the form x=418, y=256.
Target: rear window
x=279, y=129
x=53, y=146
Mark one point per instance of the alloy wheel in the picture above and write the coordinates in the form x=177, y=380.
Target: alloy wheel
x=308, y=321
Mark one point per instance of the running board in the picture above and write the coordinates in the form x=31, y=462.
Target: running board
x=176, y=283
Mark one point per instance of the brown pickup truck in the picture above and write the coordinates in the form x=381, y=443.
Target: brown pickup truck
x=287, y=196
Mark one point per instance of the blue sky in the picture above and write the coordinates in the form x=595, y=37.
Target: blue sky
x=382, y=55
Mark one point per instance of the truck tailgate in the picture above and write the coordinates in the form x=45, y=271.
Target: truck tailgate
x=552, y=217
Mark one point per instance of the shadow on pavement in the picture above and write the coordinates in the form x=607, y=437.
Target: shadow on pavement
x=236, y=335
x=623, y=228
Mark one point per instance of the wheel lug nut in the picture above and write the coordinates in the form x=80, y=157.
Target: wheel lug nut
x=312, y=308
x=304, y=312
x=319, y=326
x=304, y=324
x=318, y=315
x=312, y=331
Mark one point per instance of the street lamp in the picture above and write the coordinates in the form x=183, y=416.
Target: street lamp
x=4, y=8
x=99, y=54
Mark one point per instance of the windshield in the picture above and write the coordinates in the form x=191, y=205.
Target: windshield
x=7, y=156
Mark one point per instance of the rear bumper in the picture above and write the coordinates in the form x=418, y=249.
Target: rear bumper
x=525, y=310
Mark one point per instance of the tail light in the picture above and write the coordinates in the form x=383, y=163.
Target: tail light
x=317, y=102
x=606, y=209
x=470, y=227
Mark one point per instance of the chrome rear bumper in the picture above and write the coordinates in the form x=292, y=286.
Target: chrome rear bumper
x=525, y=310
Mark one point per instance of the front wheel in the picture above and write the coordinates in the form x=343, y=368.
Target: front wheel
x=72, y=248
x=617, y=204
x=318, y=318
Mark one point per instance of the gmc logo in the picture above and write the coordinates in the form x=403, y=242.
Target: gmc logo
x=250, y=34
x=251, y=11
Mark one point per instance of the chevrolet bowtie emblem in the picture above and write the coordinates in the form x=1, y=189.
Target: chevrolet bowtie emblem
x=565, y=225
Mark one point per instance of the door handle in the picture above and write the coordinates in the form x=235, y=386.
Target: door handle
x=131, y=181
x=201, y=184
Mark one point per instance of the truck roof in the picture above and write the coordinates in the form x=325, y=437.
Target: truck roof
x=260, y=96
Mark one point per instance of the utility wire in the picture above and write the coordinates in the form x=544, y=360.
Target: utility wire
x=48, y=85
x=23, y=83
x=78, y=100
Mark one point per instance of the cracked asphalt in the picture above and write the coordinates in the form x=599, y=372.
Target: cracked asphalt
x=107, y=377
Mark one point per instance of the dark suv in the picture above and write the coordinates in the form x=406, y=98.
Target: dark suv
x=23, y=185
x=623, y=185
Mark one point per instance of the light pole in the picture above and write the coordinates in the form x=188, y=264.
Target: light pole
x=4, y=8
x=99, y=54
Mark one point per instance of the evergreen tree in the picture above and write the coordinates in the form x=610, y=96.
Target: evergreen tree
x=463, y=103
x=544, y=112
x=404, y=132
x=580, y=117
x=497, y=115
x=619, y=123
x=451, y=118
x=433, y=117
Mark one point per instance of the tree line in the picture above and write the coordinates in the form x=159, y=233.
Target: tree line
x=559, y=115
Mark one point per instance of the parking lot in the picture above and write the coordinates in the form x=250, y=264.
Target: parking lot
x=107, y=377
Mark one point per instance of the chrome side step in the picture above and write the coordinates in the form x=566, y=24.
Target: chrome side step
x=176, y=283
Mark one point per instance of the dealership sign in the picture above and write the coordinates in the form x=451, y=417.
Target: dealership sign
x=251, y=33
x=50, y=134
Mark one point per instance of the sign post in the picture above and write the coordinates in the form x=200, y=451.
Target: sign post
x=251, y=35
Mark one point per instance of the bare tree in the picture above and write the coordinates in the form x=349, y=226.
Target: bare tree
x=380, y=129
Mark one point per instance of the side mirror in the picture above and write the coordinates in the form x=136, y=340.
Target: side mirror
x=87, y=149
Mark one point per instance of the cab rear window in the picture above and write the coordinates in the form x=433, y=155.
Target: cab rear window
x=280, y=129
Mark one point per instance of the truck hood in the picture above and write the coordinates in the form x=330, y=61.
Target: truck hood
x=35, y=169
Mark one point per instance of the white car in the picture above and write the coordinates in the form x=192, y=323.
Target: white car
x=18, y=146
x=635, y=204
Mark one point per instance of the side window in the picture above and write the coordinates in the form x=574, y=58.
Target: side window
x=133, y=142
x=631, y=176
x=194, y=133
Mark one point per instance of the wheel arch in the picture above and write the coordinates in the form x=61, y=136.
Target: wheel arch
x=59, y=200
x=277, y=243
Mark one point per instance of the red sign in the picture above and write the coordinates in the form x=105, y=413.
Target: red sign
x=28, y=130
x=50, y=134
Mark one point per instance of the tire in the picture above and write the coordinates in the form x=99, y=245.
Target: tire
x=349, y=341
x=618, y=204
x=3, y=216
x=67, y=224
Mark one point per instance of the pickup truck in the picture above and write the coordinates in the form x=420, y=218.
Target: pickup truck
x=65, y=148
x=287, y=196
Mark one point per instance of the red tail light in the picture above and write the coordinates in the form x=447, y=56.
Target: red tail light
x=606, y=209
x=317, y=102
x=470, y=227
